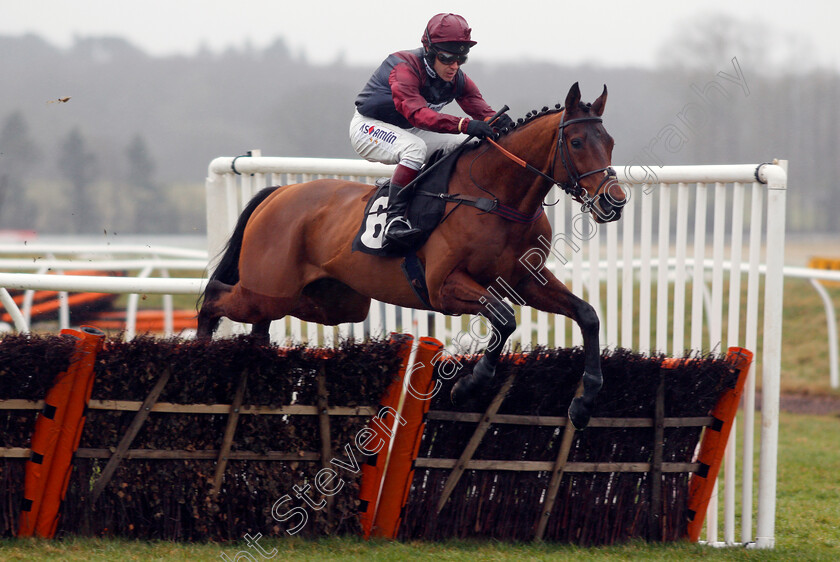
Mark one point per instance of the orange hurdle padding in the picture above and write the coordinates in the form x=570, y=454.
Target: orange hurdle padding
x=46, y=302
x=70, y=435
x=56, y=437
x=713, y=444
x=74, y=300
x=146, y=320
x=400, y=473
x=377, y=437
x=45, y=439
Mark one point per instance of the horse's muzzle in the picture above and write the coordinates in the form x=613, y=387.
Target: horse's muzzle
x=605, y=211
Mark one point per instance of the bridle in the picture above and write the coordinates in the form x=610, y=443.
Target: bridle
x=572, y=187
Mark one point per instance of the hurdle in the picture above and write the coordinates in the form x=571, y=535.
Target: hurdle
x=680, y=271
x=165, y=415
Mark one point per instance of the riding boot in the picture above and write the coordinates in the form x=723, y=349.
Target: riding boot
x=398, y=231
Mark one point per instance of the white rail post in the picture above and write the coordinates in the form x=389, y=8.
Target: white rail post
x=216, y=203
x=11, y=307
x=831, y=321
x=776, y=179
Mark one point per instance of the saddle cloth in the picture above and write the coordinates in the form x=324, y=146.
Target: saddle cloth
x=424, y=211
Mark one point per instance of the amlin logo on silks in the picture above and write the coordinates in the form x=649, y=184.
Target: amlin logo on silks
x=383, y=135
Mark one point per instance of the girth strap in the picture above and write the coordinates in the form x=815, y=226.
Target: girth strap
x=480, y=203
x=486, y=205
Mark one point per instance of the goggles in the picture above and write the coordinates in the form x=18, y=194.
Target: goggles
x=449, y=58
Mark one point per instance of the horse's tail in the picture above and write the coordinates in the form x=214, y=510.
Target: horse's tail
x=227, y=270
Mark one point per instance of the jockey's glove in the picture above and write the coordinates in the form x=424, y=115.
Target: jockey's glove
x=503, y=122
x=480, y=129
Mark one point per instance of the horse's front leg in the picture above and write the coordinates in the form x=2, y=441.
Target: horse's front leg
x=556, y=298
x=460, y=294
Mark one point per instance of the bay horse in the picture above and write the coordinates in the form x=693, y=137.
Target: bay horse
x=290, y=252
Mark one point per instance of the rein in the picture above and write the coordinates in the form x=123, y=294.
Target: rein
x=573, y=187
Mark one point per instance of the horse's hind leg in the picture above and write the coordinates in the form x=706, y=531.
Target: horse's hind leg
x=210, y=315
x=240, y=305
x=259, y=330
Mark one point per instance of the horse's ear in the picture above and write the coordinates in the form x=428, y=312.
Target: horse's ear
x=573, y=98
x=598, y=105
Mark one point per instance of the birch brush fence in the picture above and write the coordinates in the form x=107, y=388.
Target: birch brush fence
x=195, y=441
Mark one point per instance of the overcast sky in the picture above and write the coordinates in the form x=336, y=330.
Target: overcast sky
x=607, y=32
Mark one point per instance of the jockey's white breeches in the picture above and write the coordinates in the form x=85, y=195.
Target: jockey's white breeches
x=378, y=141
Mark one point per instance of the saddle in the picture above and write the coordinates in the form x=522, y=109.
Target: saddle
x=424, y=212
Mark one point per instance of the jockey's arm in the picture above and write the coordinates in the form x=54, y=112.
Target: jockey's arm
x=472, y=102
x=405, y=88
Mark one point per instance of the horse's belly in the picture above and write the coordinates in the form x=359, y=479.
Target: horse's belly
x=381, y=279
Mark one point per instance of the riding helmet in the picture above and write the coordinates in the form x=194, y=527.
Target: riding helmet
x=448, y=32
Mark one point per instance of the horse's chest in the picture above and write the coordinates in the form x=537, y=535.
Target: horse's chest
x=492, y=262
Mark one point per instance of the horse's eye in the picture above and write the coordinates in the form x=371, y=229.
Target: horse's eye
x=577, y=143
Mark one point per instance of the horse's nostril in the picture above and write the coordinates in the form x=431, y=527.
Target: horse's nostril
x=607, y=211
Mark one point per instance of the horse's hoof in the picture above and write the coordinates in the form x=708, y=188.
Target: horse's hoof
x=463, y=389
x=203, y=334
x=579, y=413
x=460, y=392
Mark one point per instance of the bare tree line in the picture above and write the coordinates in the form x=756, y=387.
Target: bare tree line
x=101, y=136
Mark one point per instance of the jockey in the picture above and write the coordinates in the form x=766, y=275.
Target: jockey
x=398, y=120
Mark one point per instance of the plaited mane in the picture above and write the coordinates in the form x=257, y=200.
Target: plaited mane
x=533, y=114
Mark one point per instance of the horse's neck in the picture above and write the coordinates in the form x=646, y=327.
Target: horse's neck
x=535, y=143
